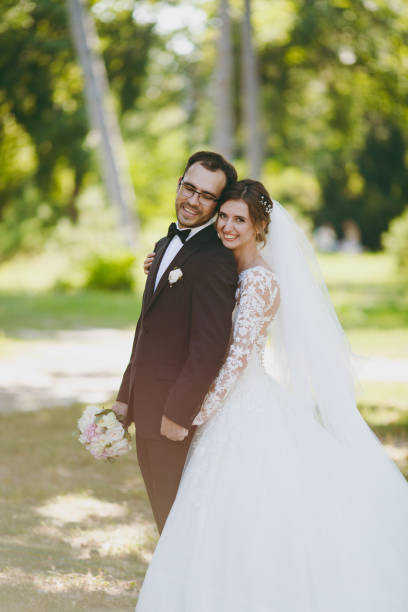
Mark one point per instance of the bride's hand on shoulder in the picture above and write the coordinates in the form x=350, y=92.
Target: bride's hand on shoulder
x=148, y=262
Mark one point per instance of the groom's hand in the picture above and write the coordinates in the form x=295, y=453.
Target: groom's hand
x=148, y=262
x=172, y=431
x=120, y=409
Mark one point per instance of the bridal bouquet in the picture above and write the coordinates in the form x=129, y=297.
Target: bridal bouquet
x=103, y=434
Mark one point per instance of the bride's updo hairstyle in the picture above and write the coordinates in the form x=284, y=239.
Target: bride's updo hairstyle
x=259, y=203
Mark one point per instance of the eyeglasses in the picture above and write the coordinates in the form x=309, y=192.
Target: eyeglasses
x=188, y=191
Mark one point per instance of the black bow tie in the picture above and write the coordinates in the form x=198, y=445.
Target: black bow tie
x=174, y=231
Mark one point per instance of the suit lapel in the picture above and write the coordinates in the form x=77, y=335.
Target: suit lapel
x=190, y=247
x=151, y=277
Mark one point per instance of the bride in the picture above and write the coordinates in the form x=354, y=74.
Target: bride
x=288, y=502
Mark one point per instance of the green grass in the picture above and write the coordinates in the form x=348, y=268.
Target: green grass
x=59, y=310
x=367, y=290
x=390, y=343
x=385, y=395
x=75, y=532
x=371, y=299
x=370, y=296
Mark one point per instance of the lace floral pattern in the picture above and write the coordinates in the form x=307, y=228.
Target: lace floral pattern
x=257, y=305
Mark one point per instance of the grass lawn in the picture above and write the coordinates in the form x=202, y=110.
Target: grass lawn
x=76, y=533
x=52, y=310
x=371, y=300
x=370, y=296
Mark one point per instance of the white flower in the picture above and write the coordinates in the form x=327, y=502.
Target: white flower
x=108, y=420
x=174, y=276
x=102, y=434
x=97, y=446
x=88, y=417
x=115, y=433
x=120, y=447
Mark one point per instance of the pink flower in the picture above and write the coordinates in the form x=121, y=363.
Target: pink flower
x=89, y=432
x=102, y=434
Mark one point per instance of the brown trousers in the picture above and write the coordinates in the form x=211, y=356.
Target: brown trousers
x=161, y=463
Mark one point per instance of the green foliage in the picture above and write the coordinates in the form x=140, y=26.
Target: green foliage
x=334, y=98
x=110, y=273
x=26, y=224
x=126, y=47
x=370, y=188
x=293, y=186
x=155, y=168
x=43, y=113
x=395, y=240
x=43, y=125
x=333, y=94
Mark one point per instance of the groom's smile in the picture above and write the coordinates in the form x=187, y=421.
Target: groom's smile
x=198, y=193
x=190, y=212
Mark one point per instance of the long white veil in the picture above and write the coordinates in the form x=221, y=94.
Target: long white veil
x=308, y=351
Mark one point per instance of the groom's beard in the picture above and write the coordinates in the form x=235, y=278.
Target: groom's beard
x=189, y=215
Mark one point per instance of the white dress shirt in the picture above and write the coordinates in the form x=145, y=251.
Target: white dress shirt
x=174, y=247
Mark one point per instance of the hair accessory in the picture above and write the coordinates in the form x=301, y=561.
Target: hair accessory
x=267, y=206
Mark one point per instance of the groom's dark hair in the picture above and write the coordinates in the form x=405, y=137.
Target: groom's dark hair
x=214, y=161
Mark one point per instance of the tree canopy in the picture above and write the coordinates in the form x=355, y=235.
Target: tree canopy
x=333, y=91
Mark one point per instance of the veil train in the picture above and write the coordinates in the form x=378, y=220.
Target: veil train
x=308, y=351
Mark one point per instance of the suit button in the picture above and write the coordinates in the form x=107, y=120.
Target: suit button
x=145, y=329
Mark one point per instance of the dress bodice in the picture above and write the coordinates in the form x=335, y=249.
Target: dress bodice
x=257, y=304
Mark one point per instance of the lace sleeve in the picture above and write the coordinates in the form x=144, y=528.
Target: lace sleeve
x=257, y=306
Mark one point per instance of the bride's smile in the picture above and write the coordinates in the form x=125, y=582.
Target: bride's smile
x=241, y=225
x=234, y=226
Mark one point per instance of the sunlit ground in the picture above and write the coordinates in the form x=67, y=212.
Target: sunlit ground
x=74, y=532
x=78, y=534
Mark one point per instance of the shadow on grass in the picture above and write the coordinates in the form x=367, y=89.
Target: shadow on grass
x=75, y=532
x=391, y=426
x=395, y=425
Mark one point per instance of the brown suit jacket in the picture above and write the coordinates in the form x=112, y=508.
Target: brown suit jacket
x=182, y=334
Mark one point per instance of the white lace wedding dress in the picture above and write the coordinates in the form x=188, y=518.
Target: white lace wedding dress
x=273, y=514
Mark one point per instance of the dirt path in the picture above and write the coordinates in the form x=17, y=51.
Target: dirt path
x=64, y=367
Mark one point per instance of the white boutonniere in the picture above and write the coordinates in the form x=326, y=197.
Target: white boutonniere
x=174, y=276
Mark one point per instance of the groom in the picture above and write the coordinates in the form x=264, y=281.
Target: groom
x=183, y=330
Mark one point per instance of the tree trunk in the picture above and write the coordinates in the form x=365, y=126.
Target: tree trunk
x=103, y=120
x=250, y=97
x=223, y=128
